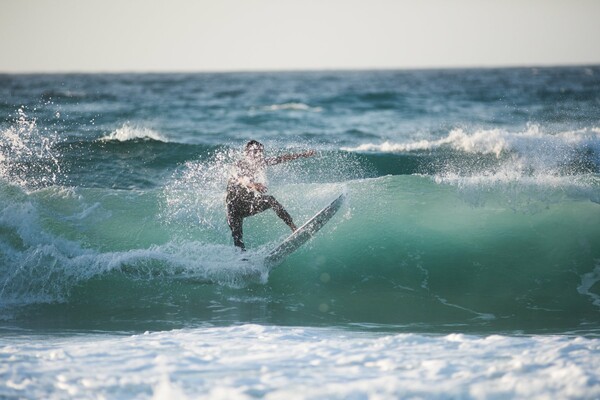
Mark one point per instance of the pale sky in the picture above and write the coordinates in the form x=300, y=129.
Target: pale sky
x=226, y=35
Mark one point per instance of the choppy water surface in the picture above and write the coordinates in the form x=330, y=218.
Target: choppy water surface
x=465, y=262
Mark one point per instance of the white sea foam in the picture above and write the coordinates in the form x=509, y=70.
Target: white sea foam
x=525, y=162
x=526, y=170
x=49, y=267
x=252, y=361
x=587, y=282
x=533, y=140
x=129, y=132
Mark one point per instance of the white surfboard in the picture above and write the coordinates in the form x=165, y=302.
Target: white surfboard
x=304, y=233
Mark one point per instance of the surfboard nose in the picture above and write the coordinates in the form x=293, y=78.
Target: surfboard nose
x=304, y=233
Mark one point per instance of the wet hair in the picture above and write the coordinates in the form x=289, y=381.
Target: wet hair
x=254, y=144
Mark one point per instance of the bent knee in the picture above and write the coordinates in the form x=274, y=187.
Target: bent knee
x=271, y=201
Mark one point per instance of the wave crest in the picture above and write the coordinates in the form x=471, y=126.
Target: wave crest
x=497, y=155
x=493, y=141
x=128, y=132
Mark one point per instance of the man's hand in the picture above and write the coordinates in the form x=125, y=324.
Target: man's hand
x=259, y=187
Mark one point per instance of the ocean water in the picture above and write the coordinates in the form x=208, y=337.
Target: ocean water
x=465, y=262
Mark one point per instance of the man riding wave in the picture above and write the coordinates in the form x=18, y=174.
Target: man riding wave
x=246, y=189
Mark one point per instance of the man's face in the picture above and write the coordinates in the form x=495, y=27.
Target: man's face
x=255, y=153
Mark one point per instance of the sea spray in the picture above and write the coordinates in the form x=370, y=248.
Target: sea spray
x=28, y=156
x=195, y=195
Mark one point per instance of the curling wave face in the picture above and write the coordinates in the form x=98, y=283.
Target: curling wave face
x=427, y=255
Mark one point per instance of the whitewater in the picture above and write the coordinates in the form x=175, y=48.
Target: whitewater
x=465, y=262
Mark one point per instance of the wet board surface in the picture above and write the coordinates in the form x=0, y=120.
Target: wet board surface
x=304, y=233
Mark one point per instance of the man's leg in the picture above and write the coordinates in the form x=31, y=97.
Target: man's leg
x=267, y=202
x=235, y=221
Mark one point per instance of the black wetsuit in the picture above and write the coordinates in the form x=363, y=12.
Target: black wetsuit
x=243, y=202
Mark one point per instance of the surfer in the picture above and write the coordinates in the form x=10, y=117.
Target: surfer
x=246, y=189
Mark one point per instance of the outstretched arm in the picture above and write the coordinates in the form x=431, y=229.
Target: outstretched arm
x=289, y=157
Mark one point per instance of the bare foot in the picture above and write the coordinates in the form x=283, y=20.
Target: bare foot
x=294, y=227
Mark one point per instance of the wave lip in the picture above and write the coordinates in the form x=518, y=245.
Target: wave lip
x=493, y=141
x=496, y=155
x=128, y=132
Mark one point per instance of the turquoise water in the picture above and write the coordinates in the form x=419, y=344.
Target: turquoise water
x=404, y=253
x=472, y=222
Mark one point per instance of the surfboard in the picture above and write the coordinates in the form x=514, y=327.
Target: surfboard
x=304, y=233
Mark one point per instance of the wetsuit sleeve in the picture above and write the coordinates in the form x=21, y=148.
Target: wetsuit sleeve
x=272, y=160
x=284, y=158
x=280, y=159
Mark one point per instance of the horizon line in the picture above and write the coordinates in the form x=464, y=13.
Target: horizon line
x=290, y=70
